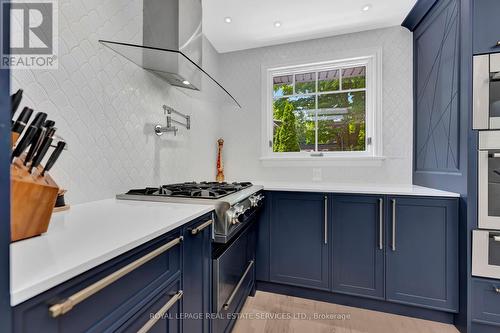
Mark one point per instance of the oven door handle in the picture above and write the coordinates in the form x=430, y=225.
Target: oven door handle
x=238, y=286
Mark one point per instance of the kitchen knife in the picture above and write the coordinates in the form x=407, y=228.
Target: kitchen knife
x=29, y=134
x=16, y=100
x=40, y=154
x=49, y=123
x=36, y=143
x=20, y=124
x=55, y=155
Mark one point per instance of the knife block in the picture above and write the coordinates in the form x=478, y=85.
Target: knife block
x=33, y=200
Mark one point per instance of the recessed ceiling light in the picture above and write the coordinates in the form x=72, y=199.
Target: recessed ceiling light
x=366, y=7
x=277, y=24
x=227, y=19
x=186, y=82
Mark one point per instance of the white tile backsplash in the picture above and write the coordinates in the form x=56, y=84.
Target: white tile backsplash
x=106, y=107
x=241, y=71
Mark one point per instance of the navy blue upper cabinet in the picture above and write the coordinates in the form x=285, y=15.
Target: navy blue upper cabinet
x=197, y=273
x=357, y=242
x=298, y=242
x=438, y=138
x=422, y=252
x=486, y=27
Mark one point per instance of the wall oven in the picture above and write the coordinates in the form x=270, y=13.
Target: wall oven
x=486, y=92
x=486, y=241
x=489, y=180
x=486, y=253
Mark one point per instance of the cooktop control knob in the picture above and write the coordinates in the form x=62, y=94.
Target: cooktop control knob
x=256, y=199
x=234, y=213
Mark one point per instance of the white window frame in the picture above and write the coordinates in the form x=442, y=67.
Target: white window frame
x=372, y=62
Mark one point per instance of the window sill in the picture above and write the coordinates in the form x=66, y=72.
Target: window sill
x=307, y=161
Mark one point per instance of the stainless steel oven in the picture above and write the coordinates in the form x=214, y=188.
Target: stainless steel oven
x=486, y=92
x=489, y=180
x=233, y=268
x=486, y=253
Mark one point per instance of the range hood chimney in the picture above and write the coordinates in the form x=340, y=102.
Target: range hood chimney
x=172, y=45
x=174, y=25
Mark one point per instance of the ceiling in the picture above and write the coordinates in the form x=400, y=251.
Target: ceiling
x=253, y=21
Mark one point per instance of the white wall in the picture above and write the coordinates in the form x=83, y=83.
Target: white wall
x=241, y=73
x=105, y=107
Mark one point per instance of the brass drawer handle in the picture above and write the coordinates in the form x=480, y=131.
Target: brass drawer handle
x=199, y=228
x=159, y=315
x=497, y=290
x=64, y=307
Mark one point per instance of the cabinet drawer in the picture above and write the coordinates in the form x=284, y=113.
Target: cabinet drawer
x=226, y=317
x=98, y=303
x=486, y=301
x=162, y=314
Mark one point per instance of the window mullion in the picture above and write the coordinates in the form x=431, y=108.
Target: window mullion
x=316, y=116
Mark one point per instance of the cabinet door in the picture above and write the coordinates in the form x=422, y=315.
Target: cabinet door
x=298, y=240
x=422, y=252
x=197, y=274
x=357, y=242
x=486, y=27
x=262, y=250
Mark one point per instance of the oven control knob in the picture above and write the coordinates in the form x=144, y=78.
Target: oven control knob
x=235, y=213
x=256, y=199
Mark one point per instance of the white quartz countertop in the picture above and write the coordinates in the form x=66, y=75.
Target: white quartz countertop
x=412, y=190
x=88, y=235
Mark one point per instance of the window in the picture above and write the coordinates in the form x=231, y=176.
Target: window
x=326, y=109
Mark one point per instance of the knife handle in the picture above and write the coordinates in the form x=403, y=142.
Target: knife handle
x=55, y=155
x=22, y=120
x=35, y=144
x=29, y=134
x=16, y=100
x=24, y=143
x=47, y=141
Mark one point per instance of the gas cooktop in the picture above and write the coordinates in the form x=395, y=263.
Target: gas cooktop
x=204, y=190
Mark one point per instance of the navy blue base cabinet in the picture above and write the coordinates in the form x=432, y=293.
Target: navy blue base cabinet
x=354, y=245
x=422, y=253
x=357, y=243
x=486, y=304
x=298, y=240
x=197, y=272
x=178, y=279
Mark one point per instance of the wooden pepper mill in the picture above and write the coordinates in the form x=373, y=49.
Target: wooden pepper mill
x=220, y=166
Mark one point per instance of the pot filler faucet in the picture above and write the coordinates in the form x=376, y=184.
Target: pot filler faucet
x=168, y=111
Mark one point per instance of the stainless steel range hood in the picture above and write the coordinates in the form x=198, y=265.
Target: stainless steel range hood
x=172, y=46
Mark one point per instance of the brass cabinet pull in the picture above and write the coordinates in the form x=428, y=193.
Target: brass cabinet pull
x=238, y=286
x=64, y=307
x=201, y=227
x=497, y=290
x=393, y=225
x=380, y=224
x=326, y=219
x=498, y=43
x=159, y=315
